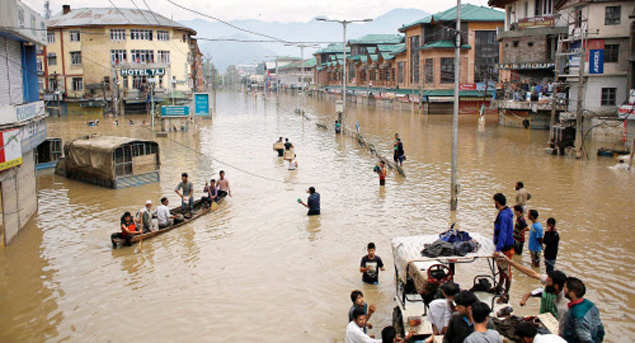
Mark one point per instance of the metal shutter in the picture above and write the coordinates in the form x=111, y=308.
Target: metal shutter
x=10, y=72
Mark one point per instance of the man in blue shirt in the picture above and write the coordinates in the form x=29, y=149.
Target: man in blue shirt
x=536, y=233
x=312, y=203
x=504, y=239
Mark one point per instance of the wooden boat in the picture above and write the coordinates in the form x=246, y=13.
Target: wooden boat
x=199, y=211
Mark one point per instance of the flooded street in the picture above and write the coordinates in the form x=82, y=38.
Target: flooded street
x=259, y=269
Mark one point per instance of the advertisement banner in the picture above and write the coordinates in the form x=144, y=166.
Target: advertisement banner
x=467, y=86
x=10, y=149
x=596, y=61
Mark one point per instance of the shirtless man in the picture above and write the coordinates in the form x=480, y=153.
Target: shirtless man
x=223, y=185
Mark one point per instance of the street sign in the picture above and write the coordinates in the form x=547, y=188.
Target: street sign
x=596, y=61
x=175, y=111
x=201, y=104
x=143, y=72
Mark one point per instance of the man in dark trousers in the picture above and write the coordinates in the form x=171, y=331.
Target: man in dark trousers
x=504, y=239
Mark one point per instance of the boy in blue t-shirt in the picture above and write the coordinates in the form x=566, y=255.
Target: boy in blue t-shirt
x=536, y=234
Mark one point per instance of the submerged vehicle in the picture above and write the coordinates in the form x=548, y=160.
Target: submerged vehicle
x=110, y=161
x=417, y=277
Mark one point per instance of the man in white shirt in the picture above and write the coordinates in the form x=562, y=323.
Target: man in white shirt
x=529, y=334
x=355, y=329
x=163, y=214
x=441, y=309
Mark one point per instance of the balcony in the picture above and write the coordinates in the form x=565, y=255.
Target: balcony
x=534, y=26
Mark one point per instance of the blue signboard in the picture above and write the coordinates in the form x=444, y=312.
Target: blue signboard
x=596, y=61
x=175, y=111
x=201, y=104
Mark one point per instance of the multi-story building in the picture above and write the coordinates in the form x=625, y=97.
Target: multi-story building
x=327, y=60
x=529, y=39
x=272, y=70
x=94, y=52
x=430, y=54
x=22, y=125
x=604, y=29
x=297, y=74
x=370, y=62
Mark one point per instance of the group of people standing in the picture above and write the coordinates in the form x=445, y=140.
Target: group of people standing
x=286, y=150
x=579, y=319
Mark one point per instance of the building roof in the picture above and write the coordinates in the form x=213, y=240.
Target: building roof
x=332, y=48
x=398, y=49
x=308, y=63
x=378, y=39
x=469, y=12
x=444, y=44
x=78, y=17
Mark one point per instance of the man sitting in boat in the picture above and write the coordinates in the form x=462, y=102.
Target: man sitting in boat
x=187, y=197
x=223, y=186
x=128, y=229
x=211, y=193
x=144, y=218
x=164, y=217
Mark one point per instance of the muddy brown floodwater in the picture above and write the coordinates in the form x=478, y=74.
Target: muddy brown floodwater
x=259, y=269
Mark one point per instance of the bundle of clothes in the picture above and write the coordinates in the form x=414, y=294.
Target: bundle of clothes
x=451, y=243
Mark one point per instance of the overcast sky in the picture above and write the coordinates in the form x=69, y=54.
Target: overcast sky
x=271, y=10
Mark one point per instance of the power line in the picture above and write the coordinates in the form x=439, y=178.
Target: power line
x=151, y=12
x=228, y=23
x=140, y=11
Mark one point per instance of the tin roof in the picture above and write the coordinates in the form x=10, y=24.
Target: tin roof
x=469, y=12
x=443, y=44
x=332, y=48
x=78, y=17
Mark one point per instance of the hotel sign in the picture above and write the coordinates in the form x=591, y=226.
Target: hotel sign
x=526, y=66
x=544, y=21
x=143, y=72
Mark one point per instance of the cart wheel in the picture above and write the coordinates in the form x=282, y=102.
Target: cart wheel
x=397, y=321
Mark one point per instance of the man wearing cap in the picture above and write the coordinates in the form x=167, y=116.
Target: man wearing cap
x=145, y=219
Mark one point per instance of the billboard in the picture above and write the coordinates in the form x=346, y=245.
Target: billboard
x=175, y=111
x=10, y=149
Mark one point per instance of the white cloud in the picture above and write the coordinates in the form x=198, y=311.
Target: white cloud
x=279, y=10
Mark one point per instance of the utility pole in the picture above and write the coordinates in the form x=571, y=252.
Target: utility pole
x=581, y=84
x=345, y=72
x=152, y=102
x=455, y=115
x=556, y=72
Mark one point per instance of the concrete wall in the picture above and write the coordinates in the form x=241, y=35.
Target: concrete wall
x=524, y=53
x=593, y=93
x=19, y=197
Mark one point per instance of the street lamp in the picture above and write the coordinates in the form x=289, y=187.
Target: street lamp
x=345, y=73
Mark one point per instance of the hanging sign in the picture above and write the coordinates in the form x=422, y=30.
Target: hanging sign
x=10, y=149
x=596, y=61
x=201, y=104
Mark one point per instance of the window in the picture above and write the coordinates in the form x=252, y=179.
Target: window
x=428, y=70
x=612, y=15
x=486, y=56
x=117, y=34
x=123, y=160
x=515, y=43
x=611, y=53
x=50, y=36
x=124, y=82
x=118, y=56
x=608, y=96
x=184, y=38
x=78, y=83
x=107, y=82
x=447, y=69
x=578, y=17
x=142, y=56
x=137, y=34
x=52, y=59
x=138, y=81
x=74, y=36
x=163, y=56
x=543, y=7
x=76, y=57
x=52, y=84
x=400, y=71
x=38, y=65
x=530, y=44
x=163, y=35
x=351, y=71
x=414, y=59
x=526, y=9
x=373, y=76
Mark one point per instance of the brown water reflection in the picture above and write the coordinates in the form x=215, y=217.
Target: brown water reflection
x=259, y=269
